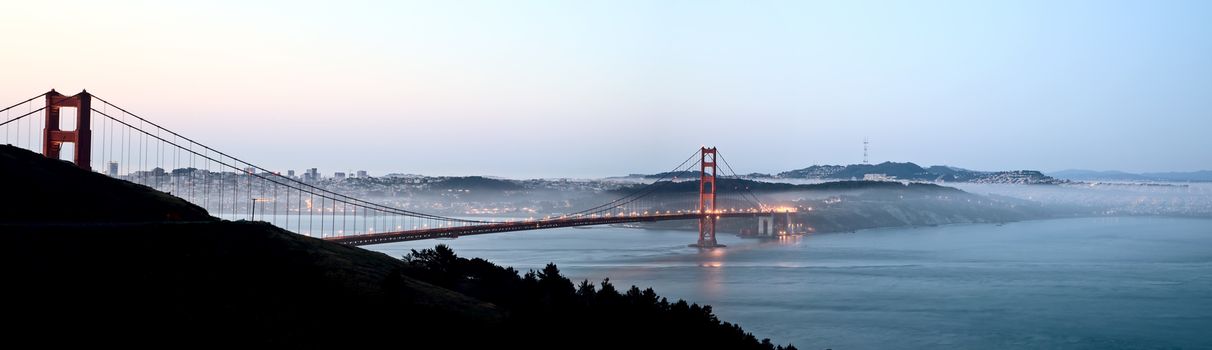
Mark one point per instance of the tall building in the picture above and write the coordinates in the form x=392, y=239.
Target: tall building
x=311, y=175
x=290, y=174
x=362, y=174
x=338, y=176
x=113, y=169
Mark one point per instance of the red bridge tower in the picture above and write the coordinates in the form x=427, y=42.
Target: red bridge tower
x=53, y=138
x=707, y=212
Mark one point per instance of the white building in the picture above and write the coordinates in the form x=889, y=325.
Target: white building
x=878, y=177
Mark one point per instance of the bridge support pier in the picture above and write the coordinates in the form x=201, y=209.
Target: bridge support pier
x=765, y=226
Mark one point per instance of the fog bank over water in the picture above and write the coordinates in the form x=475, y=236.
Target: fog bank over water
x=1090, y=283
x=1110, y=198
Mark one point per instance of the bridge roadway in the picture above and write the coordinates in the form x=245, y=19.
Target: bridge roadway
x=453, y=232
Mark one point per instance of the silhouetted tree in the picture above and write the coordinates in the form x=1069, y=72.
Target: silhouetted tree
x=586, y=290
x=440, y=264
x=545, y=299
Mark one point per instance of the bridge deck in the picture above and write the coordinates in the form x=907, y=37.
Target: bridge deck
x=451, y=232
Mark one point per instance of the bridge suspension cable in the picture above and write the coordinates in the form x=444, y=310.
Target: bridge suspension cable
x=13, y=130
x=638, y=192
x=31, y=99
x=18, y=104
x=752, y=198
x=284, y=180
x=124, y=145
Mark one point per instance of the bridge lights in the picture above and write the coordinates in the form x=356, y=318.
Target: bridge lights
x=705, y=211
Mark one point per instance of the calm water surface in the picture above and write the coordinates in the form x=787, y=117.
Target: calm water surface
x=1093, y=283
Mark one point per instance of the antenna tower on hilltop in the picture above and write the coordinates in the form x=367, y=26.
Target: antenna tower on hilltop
x=865, y=150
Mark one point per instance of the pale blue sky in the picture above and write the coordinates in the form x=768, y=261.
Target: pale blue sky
x=593, y=88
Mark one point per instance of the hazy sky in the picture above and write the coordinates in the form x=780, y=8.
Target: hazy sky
x=591, y=88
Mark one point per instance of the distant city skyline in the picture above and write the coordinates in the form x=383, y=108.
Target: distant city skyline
x=538, y=89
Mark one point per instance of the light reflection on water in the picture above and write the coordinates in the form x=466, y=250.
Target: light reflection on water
x=1073, y=283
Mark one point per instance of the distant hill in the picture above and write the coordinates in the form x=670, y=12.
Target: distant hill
x=911, y=171
x=476, y=183
x=688, y=174
x=730, y=186
x=1194, y=176
x=907, y=171
x=891, y=170
x=1092, y=175
x=1113, y=175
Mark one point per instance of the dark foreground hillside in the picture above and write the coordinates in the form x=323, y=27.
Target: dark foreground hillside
x=109, y=262
x=37, y=189
x=215, y=282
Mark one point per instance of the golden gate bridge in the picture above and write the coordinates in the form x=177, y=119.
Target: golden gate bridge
x=97, y=134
